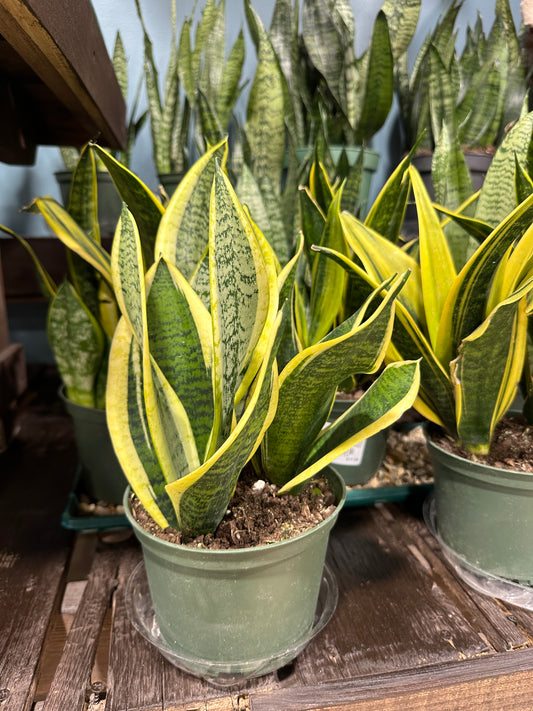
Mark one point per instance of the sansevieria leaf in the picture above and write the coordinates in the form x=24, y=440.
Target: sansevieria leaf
x=437, y=271
x=145, y=207
x=381, y=405
x=382, y=259
x=179, y=335
x=464, y=307
x=497, y=198
x=309, y=382
x=184, y=230
x=77, y=342
x=327, y=280
x=265, y=119
x=240, y=296
x=128, y=426
x=71, y=234
x=170, y=428
x=484, y=392
x=201, y=499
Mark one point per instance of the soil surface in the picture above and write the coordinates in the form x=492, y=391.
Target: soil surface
x=511, y=448
x=256, y=516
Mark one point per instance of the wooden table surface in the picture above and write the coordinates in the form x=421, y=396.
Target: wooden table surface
x=406, y=634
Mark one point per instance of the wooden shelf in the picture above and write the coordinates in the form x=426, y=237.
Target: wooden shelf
x=57, y=84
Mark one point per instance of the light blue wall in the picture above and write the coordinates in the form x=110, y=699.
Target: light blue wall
x=20, y=184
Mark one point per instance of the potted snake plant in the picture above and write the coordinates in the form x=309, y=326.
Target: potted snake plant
x=469, y=327
x=81, y=319
x=461, y=102
x=196, y=405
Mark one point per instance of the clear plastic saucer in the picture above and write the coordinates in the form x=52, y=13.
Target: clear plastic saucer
x=222, y=674
x=485, y=583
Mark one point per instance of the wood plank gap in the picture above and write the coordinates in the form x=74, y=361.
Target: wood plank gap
x=69, y=685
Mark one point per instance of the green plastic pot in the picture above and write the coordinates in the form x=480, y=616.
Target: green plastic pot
x=109, y=201
x=236, y=613
x=485, y=515
x=102, y=478
x=359, y=464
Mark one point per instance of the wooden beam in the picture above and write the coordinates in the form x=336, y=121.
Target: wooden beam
x=61, y=43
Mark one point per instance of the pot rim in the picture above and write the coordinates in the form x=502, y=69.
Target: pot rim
x=481, y=469
x=61, y=391
x=239, y=552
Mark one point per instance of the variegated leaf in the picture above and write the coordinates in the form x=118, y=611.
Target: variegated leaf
x=309, y=382
x=389, y=396
x=144, y=206
x=202, y=498
x=184, y=230
x=77, y=342
x=487, y=371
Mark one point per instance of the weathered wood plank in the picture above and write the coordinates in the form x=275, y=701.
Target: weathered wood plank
x=28, y=590
x=139, y=681
x=493, y=683
x=490, y=617
x=71, y=75
x=391, y=614
x=70, y=682
x=35, y=475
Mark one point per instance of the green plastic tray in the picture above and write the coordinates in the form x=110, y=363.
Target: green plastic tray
x=387, y=494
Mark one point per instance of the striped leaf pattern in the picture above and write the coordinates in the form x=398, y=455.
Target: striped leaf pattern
x=77, y=342
x=183, y=234
x=309, y=382
x=265, y=119
x=497, y=199
x=240, y=298
x=381, y=405
x=201, y=499
x=327, y=279
x=465, y=304
x=145, y=207
x=378, y=83
x=437, y=270
x=484, y=394
x=72, y=236
x=128, y=426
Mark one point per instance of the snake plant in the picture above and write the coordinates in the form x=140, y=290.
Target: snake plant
x=82, y=311
x=193, y=362
x=201, y=87
x=469, y=325
x=193, y=392
x=475, y=94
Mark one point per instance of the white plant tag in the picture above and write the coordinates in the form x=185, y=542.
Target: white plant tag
x=353, y=456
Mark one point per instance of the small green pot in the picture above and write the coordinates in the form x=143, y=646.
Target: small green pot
x=359, y=464
x=109, y=201
x=102, y=477
x=485, y=514
x=232, y=614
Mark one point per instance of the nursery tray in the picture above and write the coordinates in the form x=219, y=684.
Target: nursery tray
x=74, y=521
x=387, y=494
